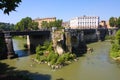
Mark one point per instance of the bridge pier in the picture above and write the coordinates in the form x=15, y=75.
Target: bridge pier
x=68, y=41
x=82, y=36
x=9, y=43
x=28, y=42
x=98, y=35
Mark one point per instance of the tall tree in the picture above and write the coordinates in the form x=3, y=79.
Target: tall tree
x=58, y=23
x=44, y=24
x=9, y=5
x=113, y=22
x=26, y=24
x=6, y=26
x=118, y=22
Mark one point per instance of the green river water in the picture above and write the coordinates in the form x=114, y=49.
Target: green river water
x=95, y=66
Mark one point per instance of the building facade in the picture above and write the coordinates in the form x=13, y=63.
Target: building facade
x=84, y=22
x=102, y=24
x=40, y=20
x=66, y=24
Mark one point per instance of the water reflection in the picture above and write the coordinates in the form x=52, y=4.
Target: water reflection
x=19, y=47
x=21, y=53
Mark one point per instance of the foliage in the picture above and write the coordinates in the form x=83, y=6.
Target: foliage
x=60, y=60
x=109, y=37
x=57, y=23
x=40, y=49
x=112, y=22
x=118, y=22
x=115, y=54
x=115, y=47
x=9, y=5
x=52, y=57
x=6, y=26
x=44, y=24
x=117, y=37
x=26, y=24
x=115, y=50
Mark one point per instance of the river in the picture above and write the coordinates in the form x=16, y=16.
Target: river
x=95, y=66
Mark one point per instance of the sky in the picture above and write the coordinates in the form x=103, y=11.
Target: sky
x=62, y=9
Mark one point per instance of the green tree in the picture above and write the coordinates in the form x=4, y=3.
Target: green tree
x=26, y=24
x=6, y=26
x=58, y=23
x=51, y=24
x=117, y=37
x=9, y=5
x=34, y=25
x=19, y=27
x=44, y=24
x=118, y=22
x=113, y=22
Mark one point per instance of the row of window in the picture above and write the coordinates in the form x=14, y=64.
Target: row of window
x=87, y=22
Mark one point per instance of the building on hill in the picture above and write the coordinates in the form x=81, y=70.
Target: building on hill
x=84, y=22
x=40, y=20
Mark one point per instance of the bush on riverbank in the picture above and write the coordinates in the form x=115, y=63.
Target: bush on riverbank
x=115, y=50
x=46, y=54
x=109, y=37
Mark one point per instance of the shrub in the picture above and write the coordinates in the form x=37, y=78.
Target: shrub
x=115, y=54
x=110, y=37
x=39, y=50
x=60, y=60
x=43, y=58
x=51, y=56
x=115, y=50
x=37, y=57
x=115, y=47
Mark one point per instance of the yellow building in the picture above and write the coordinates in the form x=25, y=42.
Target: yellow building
x=40, y=20
x=103, y=24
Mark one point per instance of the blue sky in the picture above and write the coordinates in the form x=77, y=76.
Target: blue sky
x=63, y=9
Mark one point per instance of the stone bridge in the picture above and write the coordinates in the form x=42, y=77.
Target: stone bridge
x=65, y=40
x=74, y=40
x=33, y=39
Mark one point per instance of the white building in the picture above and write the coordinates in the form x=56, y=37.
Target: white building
x=84, y=22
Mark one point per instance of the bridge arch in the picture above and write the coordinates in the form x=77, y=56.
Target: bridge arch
x=34, y=38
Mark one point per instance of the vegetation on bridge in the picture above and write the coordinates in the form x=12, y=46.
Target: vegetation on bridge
x=46, y=54
x=115, y=50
